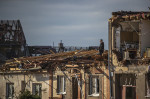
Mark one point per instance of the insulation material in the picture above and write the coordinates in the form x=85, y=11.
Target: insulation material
x=118, y=37
x=130, y=26
x=127, y=79
x=129, y=37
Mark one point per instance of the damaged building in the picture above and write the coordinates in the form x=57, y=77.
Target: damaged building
x=68, y=75
x=74, y=74
x=12, y=40
x=84, y=74
x=41, y=50
x=129, y=48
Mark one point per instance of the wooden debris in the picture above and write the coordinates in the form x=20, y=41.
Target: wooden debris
x=49, y=61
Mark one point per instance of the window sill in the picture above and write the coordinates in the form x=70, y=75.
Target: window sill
x=61, y=93
x=147, y=96
x=94, y=95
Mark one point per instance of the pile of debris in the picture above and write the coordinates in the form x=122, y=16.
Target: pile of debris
x=136, y=61
x=51, y=60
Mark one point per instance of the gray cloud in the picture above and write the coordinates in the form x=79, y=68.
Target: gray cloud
x=76, y=22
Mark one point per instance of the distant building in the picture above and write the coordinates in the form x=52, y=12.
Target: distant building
x=93, y=47
x=12, y=40
x=41, y=50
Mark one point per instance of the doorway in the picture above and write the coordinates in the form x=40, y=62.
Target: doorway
x=74, y=88
x=128, y=92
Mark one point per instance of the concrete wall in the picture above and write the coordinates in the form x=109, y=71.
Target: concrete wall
x=104, y=88
x=140, y=72
x=68, y=84
x=28, y=78
x=145, y=31
x=140, y=87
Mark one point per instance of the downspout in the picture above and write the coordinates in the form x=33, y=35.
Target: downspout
x=84, y=86
x=109, y=49
x=51, y=84
x=140, y=40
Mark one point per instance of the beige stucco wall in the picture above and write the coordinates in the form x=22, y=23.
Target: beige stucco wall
x=28, y=78
x=145, y=31
x=55, y=74
x=44, y=79
x=85, y=75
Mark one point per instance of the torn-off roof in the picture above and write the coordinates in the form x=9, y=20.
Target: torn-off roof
x=129, y=15
x=52, y=60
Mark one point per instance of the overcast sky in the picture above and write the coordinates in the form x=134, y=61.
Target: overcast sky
x=75, y=22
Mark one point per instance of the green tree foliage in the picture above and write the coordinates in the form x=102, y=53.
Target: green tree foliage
x=27, y=95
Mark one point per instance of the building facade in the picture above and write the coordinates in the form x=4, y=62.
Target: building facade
x=67, y=75
x=129, y=54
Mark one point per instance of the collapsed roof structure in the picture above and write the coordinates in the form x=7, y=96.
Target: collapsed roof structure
x=85, y=74
x=12, y=40
x=50, y=60
x=65, y=75
x=41, y=50
x=76, y=73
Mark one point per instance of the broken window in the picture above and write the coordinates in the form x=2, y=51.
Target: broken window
x=9, y=91
x=37, y=89
x=61, y=85
x=94, y=85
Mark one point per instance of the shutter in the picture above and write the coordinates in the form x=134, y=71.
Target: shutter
x=97, y=85
x=12, y=90
x=100, y=87
x=57, y=84
x=40, y=90
x=33, y=89
x=7, y=90
x=90, y=85
x=68, y=89
x=64, y=84
x=61, y=83
x=23, y=85
x=93, y=83
x=86, y=86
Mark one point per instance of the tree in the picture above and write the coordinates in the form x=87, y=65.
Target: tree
x=27, y=95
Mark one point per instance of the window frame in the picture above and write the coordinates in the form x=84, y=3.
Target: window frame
x=34, y=89
x=8, y=89
x=96, y=86
x=59, y=85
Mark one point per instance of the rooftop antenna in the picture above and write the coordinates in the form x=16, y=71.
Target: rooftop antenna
x=61, y=47
x=53, y=44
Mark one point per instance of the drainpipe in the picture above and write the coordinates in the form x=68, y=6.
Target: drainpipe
x=51, y=83
x=140, y=40
x=109, y=49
